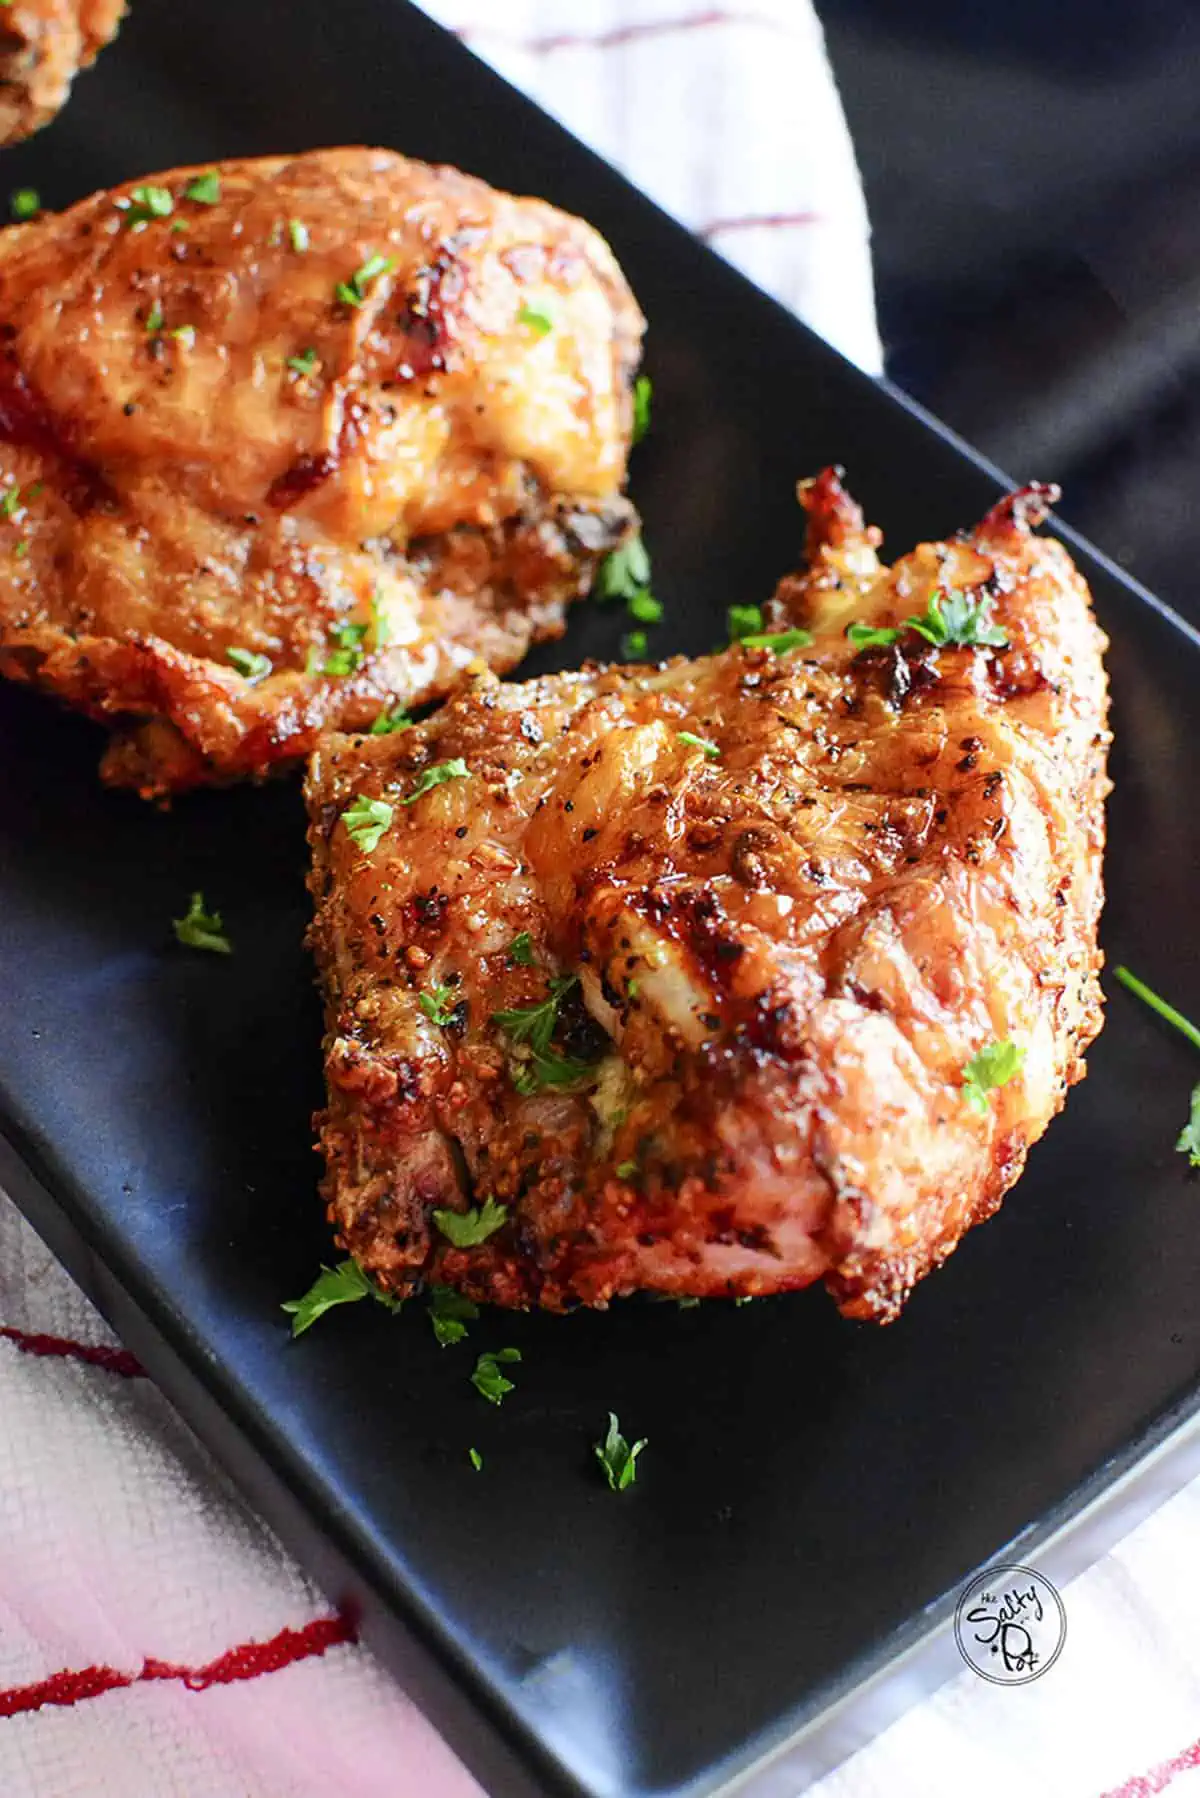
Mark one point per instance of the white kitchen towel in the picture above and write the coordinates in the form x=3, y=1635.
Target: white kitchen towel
x=155, y=1642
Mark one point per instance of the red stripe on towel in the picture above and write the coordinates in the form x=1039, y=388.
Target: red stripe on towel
x=96, y=1354
x=1145, y=1785
x=768, y=221
x=249, y=1660
x=620, y=34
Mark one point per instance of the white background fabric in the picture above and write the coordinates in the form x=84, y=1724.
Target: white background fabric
x=118, y=1539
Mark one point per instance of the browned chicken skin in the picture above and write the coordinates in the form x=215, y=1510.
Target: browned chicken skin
x=770, y=960
x=356, y=420
x=43, y=46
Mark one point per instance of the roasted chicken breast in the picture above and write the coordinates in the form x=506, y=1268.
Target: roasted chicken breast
x=729, y=975
x=287, y=442
x=43, y=46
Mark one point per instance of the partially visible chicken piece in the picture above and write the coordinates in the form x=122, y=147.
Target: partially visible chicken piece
x=687, y=968
x=290, y=441
x=43, y=46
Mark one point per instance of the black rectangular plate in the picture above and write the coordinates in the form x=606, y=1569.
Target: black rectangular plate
x=814, y=1491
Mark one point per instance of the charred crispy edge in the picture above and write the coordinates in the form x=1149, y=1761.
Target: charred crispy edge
x=834, y=516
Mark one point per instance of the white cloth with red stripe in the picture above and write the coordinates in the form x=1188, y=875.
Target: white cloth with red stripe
x=155, y=1641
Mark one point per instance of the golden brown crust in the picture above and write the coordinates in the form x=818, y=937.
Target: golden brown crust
x=43, y=46
x=786, y=954
x=208, y=450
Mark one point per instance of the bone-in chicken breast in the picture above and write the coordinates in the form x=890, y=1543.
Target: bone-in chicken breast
x=729, y=975
x=43, y=46
x=287, y=442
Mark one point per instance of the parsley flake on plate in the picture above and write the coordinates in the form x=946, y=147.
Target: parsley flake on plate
x=617, y=1456
x=635, y=646
x=366, y=820
x=533, y=1026
x=450, y=1313
x=205, y=189
x=389, y=720
x=711, y=750
x=744, y=621
x=467, y=1229
x=476, y=1459
x=487, y=1378
x=354, y=291
x=25, y=203
x=643, y=393
x=778, y=642
x=439, y=1005
x=436, y=776
x=201, y=929
x=249, y=663
x=994, y=1066
x=340, y=1285
x=643, y=606
x=537, y=319
x=1188, y=1141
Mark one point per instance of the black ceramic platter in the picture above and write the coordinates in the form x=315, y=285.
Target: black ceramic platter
x=815, y=1491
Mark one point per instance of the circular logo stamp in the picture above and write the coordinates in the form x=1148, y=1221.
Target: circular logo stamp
x=1010, y=1625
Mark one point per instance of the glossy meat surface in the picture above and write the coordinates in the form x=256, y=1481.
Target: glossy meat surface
x=43, y=46
x=291, y=439
x=769, y=960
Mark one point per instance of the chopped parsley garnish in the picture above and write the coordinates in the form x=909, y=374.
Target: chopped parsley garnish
x=146, y=203
x=467, y=1229
x=476, y=1459
x=872, y=636
x=298, y=235
x=249, y=663
x=366, y=820
x=689, y=737
x=644, y=607
x=487, y=1378
x=643, y=393
x=450, y=1313
x=390, y=720
x=304, y=363
x=347, y=658
x=154, y=319
x=625, y=571
x=520, y=949
x=205, y=189
x=201, y=929
x=617, y=1457
x=428, y=778
x=626, y=1170
x=439, y=1005
x=534, y=1025
x=994, y=1066
x=10, y=504
x=744, y=621
x=1188, y=1141
x=354, y=291
x=950, y=620
x=22, y=548
x=25, y=203
x=340, y=1285
x=537, y=319
x=635, y=646
x=185, y=334
x=778, y=642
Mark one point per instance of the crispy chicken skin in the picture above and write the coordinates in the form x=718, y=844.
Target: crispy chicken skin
x=785, y=953
x=43, y=46
x=361, y=417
